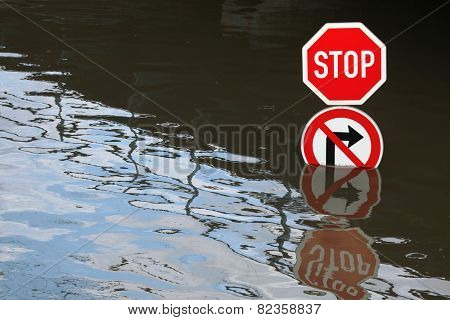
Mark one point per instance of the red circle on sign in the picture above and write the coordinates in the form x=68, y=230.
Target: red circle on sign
x=318, y=121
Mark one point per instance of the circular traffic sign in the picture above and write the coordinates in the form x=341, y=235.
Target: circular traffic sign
x=343, y=137
x=344, y=63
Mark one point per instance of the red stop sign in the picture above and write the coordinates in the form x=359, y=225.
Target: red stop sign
x=344, y=63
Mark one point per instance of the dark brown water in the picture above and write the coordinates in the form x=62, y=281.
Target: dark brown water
x=107, y=189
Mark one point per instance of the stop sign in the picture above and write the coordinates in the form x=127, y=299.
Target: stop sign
x=344, y=63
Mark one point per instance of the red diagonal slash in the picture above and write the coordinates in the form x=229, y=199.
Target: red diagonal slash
x=353, y=158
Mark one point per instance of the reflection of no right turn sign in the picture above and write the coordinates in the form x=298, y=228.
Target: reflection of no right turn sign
x=342, y=136
x=345, y=192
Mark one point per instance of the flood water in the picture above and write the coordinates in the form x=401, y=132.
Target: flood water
x=107, y=192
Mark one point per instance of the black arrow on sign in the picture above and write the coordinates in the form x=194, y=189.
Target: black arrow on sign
x=352, y=136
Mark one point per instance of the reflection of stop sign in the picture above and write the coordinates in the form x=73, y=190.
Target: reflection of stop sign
x=344, y=63
x=337, y=260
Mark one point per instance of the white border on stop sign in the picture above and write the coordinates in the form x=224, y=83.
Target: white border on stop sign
x=344, y=25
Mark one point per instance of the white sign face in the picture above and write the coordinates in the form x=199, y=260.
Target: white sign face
x=352, y=134
x=342, y=137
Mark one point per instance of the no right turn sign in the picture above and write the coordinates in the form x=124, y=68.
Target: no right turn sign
x=343, y=137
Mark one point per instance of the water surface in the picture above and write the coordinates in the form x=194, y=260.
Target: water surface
x=104, y=196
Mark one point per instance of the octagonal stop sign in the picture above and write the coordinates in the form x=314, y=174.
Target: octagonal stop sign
x=344, y=63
